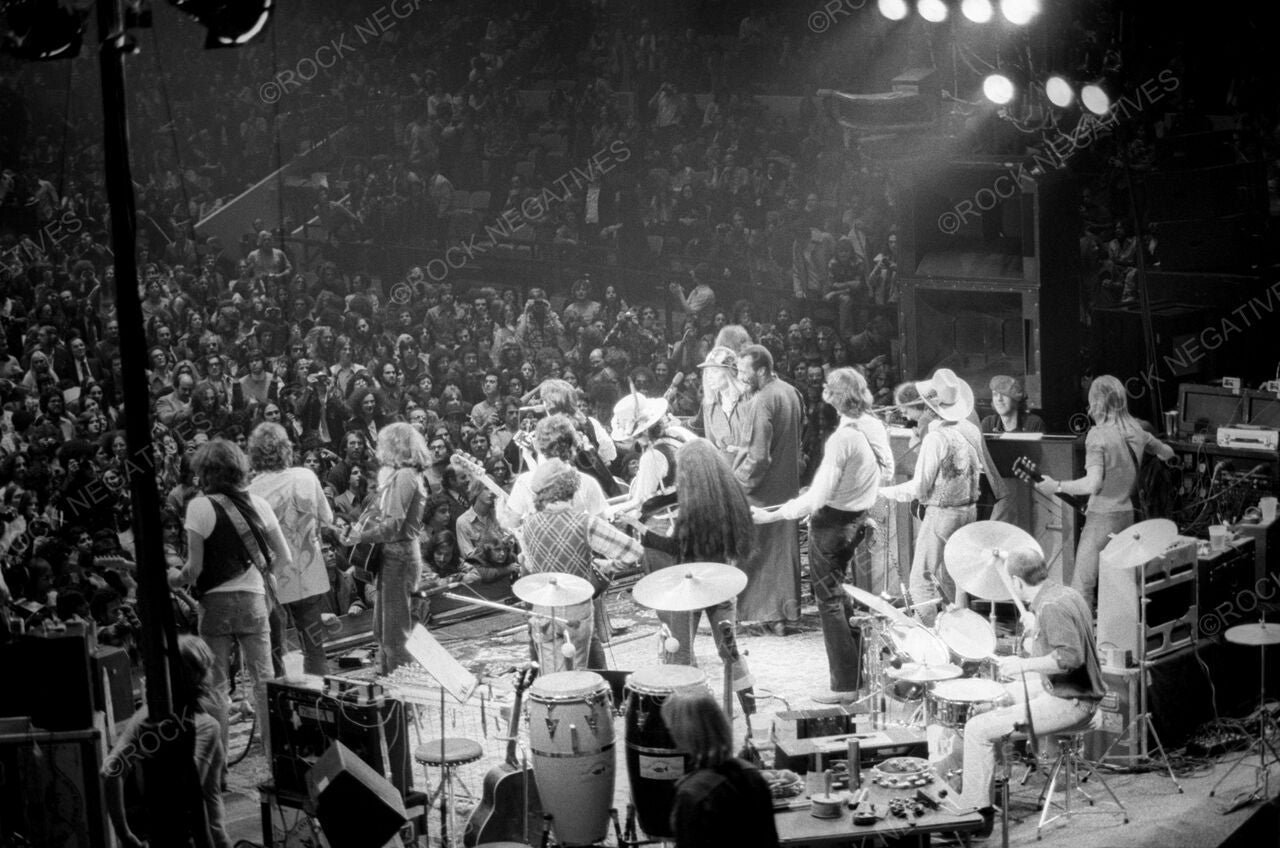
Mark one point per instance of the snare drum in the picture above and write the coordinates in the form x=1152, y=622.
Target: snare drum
x=571, y=738
x=970, y=637
x=951, y=703
x=654, y=762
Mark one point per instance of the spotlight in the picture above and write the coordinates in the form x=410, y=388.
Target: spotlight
x=41, y=30
x=894, y=10
x=1095, y=99
x=229, y=24
x=978, y=11
x=998, y=88
x=1019, y=12
x=933, y=11
x=1059, y=91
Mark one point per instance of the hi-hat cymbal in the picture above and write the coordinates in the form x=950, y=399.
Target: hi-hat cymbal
x=875, y=603
x=552, y=589
x=1140, y=543
x=689, y=586
x=1260, y=633
x=920, y=673
x=975, y=551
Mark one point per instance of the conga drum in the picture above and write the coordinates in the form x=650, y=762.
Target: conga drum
x=654, y=763
x=571, y=739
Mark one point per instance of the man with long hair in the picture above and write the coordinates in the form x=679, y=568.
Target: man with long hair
x=844, y=488
x=713, y=524
x=724, y=800
x=1113, y=452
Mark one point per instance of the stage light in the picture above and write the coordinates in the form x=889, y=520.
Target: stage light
x=41, y=30
x=1019, y=12
x=229, y=24
x=1059, y=91
x=894, y=10
x=933, y=11
x=998, y=88
x=978, y=11
x=1095, y=99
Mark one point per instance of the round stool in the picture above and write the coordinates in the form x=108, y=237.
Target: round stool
x=1072, y=766
x=446, y=754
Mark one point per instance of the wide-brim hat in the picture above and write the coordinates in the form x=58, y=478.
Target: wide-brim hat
x=947, y=395
x=720, y=357
x=634, y=414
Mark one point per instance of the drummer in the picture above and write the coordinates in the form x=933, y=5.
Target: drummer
x=843, y=489
x=1062, y=674
x=561, y=537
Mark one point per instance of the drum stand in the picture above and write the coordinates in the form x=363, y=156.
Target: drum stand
x=1140, y=726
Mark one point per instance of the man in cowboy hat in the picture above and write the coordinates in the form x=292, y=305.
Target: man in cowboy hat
x=993, y=500
x=657, y=437
x=725, y=411
x=945, y=481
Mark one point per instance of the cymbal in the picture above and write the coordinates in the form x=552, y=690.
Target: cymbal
x=971, y=557
x=919, y=673
x=875, y=603
x=1140, y=543
x=689, y=586
x=1254, y=634
x=552, y=589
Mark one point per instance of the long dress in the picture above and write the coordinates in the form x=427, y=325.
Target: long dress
x=769, y=468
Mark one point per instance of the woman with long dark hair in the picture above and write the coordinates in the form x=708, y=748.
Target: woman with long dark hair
x=233, y=538
x=402, y=496
x=713, y=524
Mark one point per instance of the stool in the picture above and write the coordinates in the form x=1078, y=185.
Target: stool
x=1071, y=761
x=447, y=754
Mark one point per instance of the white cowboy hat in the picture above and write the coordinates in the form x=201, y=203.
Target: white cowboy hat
x=634, y=414
x=720, y=357
x=947, y=395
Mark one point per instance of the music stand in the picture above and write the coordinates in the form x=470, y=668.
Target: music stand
x=1260, y=635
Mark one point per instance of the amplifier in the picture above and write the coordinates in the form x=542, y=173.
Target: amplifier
x=876, y=746
x=827, y=721
x=1266, y=547
x=1223, y=578
x=1251, y=438
x=1171, y=599
x=305, y=722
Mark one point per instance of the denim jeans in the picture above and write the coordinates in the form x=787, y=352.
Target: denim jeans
x=1049, y=714
x=833, y=538
x=684, y=627
x=1098, y=527
x=927, y=563
x=392, y=615
x=228, y=618
x=306, y=623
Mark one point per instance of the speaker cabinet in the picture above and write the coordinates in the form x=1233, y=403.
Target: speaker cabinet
x=357, y=807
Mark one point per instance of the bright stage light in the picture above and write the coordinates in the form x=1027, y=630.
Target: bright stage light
x=1019, y=12
x=933, y=11
x=1059, y=91
x=1095, y=99
x=894, y=10
x=998, y=88
x=978, y=11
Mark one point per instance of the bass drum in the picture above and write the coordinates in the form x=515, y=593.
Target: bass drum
x=572, y=742
x=654, y=763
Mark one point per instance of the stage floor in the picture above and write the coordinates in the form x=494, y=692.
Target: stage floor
x=787, y=671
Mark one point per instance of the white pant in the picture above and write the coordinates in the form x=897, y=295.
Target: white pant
x=1048, y=713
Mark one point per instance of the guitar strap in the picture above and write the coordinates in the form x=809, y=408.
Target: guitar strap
x=1134, y=497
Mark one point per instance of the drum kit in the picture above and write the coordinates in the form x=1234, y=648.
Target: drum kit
x=949, y=671
x=571, y=733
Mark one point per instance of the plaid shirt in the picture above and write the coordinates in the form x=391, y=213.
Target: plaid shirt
x=560, y=538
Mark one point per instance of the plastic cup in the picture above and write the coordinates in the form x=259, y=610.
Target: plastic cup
x=293, y=672
x=1268, y=507
x=1218, y=536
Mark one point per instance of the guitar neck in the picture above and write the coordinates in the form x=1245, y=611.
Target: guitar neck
x=513, y=726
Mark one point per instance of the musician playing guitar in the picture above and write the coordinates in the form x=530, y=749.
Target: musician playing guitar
x=1062, y=674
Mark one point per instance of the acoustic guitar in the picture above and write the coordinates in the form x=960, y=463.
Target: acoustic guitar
x=510, y=809
x=1026, y=469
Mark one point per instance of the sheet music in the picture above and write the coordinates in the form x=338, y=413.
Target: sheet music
x=440, y=664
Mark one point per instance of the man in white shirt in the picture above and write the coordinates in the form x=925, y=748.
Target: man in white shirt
x=843, y=489
x=557, y=438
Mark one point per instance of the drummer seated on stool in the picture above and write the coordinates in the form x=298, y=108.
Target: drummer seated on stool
x=562, y=538
x=1062, y=674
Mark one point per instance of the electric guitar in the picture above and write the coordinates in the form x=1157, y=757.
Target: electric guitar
x=510, y=809
x=1026, y=469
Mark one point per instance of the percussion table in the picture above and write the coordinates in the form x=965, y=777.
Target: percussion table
x=798, y=829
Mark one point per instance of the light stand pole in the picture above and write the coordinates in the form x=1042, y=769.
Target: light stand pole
x=174, y=800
